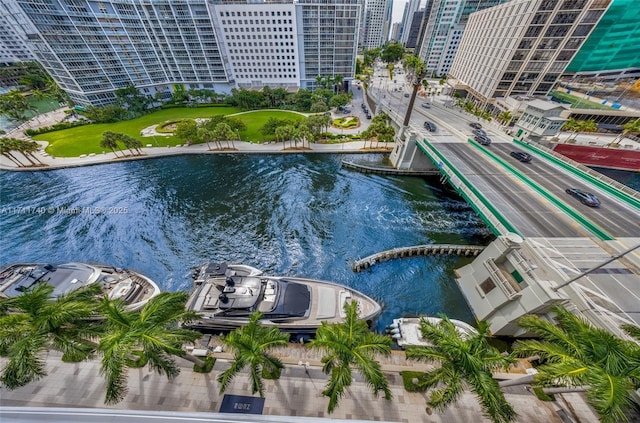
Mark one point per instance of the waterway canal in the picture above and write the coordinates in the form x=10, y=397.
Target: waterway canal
x=287, y=214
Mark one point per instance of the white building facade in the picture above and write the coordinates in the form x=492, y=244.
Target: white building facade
x=522, y=47
x=376, y=24
x=443, y=31
x=92, y=48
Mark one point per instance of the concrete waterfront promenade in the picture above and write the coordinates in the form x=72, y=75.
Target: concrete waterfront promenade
x=298, y=393
x=238, y=147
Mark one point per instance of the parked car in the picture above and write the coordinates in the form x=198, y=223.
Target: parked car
x=479, y=132
x=475, y=125
x=429, y=126
x=369, y=116
x=426, y=105
x=407, y=95
x=483, y=140
x=585, y=198
x=522, y=156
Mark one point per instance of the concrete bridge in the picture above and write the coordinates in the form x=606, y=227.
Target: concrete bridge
x=545, y=238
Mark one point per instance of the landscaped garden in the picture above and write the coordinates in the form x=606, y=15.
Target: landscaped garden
x=86, y=139
x=347, y=122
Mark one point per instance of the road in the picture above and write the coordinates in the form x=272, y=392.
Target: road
x=531, y=213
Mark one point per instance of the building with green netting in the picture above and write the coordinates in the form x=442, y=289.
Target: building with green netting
x=611, y=51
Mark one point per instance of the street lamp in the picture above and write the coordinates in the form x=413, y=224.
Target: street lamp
x=305, y=365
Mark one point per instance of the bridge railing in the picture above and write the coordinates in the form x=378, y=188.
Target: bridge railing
x=498, y=224
x=615, y=188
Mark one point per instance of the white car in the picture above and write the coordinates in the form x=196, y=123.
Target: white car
x=426, y=105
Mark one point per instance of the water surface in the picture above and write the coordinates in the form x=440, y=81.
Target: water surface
x=298, y=215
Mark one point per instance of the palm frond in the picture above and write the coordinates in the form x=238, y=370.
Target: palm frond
x=339, y=380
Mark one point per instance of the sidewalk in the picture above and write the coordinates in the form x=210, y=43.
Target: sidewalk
x=297, y=393
x=241, y=147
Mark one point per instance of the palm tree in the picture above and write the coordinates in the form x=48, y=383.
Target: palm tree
x=418, y=71
x=629, y=127
x=34, y=322
x=505, y=117
x=207, y=136
x=7, y=145
x=464, y=361
x=154, y=331
x=577, y=355
x=110, y=141
x=251, y=345
x=223, y=132
x=347, y=345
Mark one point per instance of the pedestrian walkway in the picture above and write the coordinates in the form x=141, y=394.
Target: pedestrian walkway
x=49, y=162
x=297, y=393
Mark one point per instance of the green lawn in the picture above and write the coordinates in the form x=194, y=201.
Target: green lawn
x=578, y=102
x=86, y=139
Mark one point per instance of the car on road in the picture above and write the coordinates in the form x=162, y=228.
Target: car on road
x=483, y=140
x=584, y=197
x=407, y=95
x=475, y=125
x=479, y=132
x=522, y=156
x=430, y=126
x=426, y=105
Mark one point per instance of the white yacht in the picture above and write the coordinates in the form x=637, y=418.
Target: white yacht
x=131, y=287
x=226, y=294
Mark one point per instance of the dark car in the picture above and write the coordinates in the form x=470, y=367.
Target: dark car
x=406, y=95
x=368, y=116
x=585, y=198
x=522, y=156
x=429, y=126
x=483, y=140
x=475, y=125
x=479, y=132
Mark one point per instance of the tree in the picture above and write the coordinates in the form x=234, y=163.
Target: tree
x=207, y=136
x=576, y=354
x=465, y=360
x=251, y=345
x=369, y=56
x=131, y=143
x=505, y=117
x=392, y=52
x=34, y=322
x=319, y=107
x=418, y=71
x=338, y=80
x=339, y=100
x=15, y=106
x=347, y=345
x=133, y=100
x=7, y=145
x=629, y=127
x=223, y=132
x=110, y=141
x=379, y=129
x=187, y=130
x=154, y=331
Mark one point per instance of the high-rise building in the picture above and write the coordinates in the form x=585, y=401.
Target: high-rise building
x=613, y=48
x=414, y=30
x=395, y=32
x=410, y=8
x=12, y=46
x=376, y=24
x=521, y=47
x=443, y=28
x=94, y=47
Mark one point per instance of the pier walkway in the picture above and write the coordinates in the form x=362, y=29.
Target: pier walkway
x=417, y=250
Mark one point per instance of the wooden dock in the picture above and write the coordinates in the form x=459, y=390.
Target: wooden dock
x=417, y=250
x=383, y=170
